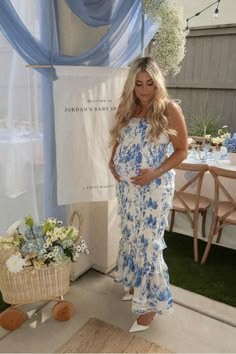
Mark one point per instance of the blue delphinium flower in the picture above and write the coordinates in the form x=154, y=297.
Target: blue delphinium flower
x=230, y=143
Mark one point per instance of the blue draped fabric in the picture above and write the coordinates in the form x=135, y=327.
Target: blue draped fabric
x=118, y=47
x=49, y=37
x=122, y=40
x=26, y=45
x=96, y=12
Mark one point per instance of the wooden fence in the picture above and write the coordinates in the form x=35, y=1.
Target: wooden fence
x=206, y=84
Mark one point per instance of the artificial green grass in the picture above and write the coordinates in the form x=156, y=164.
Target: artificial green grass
x=3, y=305
x=215, y=279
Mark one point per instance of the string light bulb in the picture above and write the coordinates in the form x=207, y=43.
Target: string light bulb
x=187, y=28
x=216, y=13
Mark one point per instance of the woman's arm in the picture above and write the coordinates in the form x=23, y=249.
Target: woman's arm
x=179, y=142
x=111, y=162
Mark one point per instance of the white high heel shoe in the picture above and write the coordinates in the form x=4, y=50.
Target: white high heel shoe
x=127, y=297
x=137, y=328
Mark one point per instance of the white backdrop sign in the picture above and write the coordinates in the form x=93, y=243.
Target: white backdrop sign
x=85, y=100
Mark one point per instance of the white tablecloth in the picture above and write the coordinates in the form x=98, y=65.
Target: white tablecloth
x=19, y=155
x=182, y=225
x=21, y=178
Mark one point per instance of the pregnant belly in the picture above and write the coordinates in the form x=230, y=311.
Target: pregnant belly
x=127, y=170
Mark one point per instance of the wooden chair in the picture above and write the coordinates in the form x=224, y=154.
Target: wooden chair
x=224, y=211
x=191, y=204
x=198, y=141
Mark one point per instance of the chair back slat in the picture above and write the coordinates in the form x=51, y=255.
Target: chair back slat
x=198, y=139
x=219, y=185
x=200, y=170
x=197, y=176
x=190, y=203
x=223, y=210
x=222, y=172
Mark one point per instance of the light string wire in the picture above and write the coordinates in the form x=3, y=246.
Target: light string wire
x=198, y=13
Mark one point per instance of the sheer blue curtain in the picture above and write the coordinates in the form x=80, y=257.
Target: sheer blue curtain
x=96, y=12
x=122, y=41
x=126, y=24
x=21, y=138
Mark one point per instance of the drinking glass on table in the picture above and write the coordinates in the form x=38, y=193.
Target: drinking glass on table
x=217, y=154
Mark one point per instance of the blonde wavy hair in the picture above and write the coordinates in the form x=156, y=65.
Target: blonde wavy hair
x=129, y=102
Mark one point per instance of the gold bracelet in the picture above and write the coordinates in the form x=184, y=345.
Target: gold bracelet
x=160, y=168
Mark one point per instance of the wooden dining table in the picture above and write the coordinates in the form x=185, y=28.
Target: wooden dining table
x=182, y=225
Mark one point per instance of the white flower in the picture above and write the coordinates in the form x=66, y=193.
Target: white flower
x=208, y=136
x=225, y=136
x=75, y=231
x=55, y=251
x=13, y=228
x=15, y=263
x=169, y=47
x=190, y=140
x=216, y=140
x=52, y=221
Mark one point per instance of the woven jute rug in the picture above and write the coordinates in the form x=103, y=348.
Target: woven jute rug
x=97, y=336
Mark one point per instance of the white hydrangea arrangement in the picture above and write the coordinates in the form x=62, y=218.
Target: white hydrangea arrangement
x=42, y=244
x=170, y=41
x=222, y=136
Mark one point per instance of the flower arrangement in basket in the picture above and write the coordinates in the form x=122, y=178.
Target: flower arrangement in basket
x=35, y=263
x=49, y=243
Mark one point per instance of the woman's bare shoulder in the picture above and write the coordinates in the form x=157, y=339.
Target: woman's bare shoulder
x=174, y=115
x=172, y=107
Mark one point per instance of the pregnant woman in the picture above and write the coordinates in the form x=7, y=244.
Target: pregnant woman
x=146, y=122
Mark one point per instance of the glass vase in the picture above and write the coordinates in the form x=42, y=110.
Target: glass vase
x=232, y=157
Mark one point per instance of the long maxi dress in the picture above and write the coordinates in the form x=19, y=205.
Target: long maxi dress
x=143, y=212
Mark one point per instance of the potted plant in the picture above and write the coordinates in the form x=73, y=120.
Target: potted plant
x=205, y=124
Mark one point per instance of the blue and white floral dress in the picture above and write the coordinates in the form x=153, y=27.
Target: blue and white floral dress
x=144, y=212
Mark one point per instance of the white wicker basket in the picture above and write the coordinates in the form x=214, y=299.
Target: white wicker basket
x=32, y=285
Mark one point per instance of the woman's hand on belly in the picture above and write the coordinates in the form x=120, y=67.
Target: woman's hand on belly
x=113, y=170
x=145, y=176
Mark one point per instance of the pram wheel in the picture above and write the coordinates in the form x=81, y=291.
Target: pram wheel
x=12, y=319
x=63, y=311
